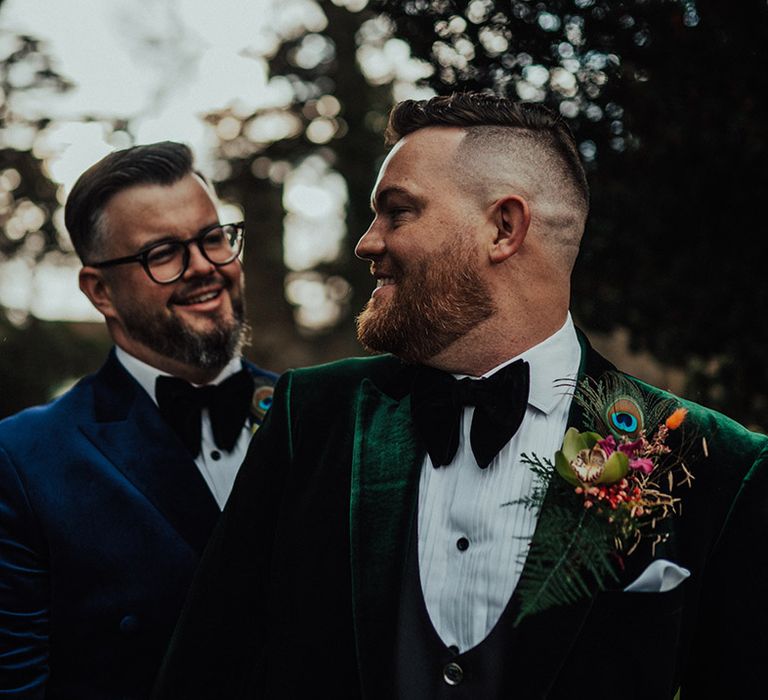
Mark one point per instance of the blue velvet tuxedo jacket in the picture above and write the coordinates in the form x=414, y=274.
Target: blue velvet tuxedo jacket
x=103, y=517
x=299, y=591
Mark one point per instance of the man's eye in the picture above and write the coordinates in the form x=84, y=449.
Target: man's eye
x=398, y=213
x=214, y=238
x=161, y=254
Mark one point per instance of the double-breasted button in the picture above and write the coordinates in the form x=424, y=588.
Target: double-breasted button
x=129, y=624
x=453, y=674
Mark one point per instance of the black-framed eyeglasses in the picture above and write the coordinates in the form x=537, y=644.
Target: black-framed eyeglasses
x=167, y=261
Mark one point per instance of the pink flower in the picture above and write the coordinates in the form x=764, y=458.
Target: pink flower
x=643, y=464
x=608, y=445
x=630, y=448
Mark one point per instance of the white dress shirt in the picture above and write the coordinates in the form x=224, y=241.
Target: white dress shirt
x=218, y=468
x=472, y=547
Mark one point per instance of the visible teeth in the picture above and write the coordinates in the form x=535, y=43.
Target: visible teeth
x=384, y=281
x=202, y=298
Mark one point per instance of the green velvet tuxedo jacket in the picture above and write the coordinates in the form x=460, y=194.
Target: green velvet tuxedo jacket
x=298, y=593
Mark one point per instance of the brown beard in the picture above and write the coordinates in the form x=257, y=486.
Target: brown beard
x=171, y=337
x=436, y=302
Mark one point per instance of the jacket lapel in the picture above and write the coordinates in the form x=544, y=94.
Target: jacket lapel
x=385, y=471
x=594, y=365
x=128, y=430
x=538, y=650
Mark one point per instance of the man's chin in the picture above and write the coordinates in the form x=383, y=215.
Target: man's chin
x=203, y=323
x=376, y=333
x=205, y=342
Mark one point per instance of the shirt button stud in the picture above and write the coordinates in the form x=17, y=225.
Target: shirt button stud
x=462, y=544
x=453, y=674
x=216, y=455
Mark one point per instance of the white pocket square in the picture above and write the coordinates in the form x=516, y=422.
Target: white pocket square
x=660, y=576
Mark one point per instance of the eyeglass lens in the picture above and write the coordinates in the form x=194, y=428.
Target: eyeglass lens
x=168, y=261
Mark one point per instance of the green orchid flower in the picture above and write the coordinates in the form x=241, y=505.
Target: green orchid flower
x=582, y=460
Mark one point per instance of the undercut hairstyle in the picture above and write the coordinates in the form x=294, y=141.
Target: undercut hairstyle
x=520, y=144
x=163, y=163
x=478, y=109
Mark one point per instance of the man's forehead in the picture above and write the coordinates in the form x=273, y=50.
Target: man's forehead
x=438, y=142
x=417, y=159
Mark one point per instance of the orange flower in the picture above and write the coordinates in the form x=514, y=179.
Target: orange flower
x=676, y=419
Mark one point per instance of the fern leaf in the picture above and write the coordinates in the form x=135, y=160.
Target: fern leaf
x=570, y=557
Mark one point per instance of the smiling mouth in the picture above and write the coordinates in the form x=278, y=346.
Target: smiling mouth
x=199, y=298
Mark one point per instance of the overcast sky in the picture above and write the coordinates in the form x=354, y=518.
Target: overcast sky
x=161, y=64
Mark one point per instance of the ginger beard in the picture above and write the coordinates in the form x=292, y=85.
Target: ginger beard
x=169, y=335
x=436, y=301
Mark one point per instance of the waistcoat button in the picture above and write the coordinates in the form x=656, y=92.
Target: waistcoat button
x=453, y=674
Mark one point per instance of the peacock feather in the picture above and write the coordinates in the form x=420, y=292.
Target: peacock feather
x=616, y=406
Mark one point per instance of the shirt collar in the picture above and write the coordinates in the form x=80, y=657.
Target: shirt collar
x=554, y=367
x=146, y=374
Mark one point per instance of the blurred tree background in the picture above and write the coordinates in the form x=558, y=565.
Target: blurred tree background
x=667, y=99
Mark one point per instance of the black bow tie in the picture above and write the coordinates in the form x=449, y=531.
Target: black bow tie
x=228, y=405
x=499, y=400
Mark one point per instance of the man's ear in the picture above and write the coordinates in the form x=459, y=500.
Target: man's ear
x=96, y=288
x=512, y=216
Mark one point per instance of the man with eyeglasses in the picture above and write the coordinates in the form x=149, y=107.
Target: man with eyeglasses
x=109, y=494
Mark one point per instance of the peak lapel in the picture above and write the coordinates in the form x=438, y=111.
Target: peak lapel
x=545, y=639
x=385, y=470
x=592, y=366
x=129, y=431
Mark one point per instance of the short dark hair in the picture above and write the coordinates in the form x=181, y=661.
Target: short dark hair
x=163, y=163
x=478, y=109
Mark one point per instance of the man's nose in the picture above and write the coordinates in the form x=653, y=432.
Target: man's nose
x=371, y=243
x=198, y=265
